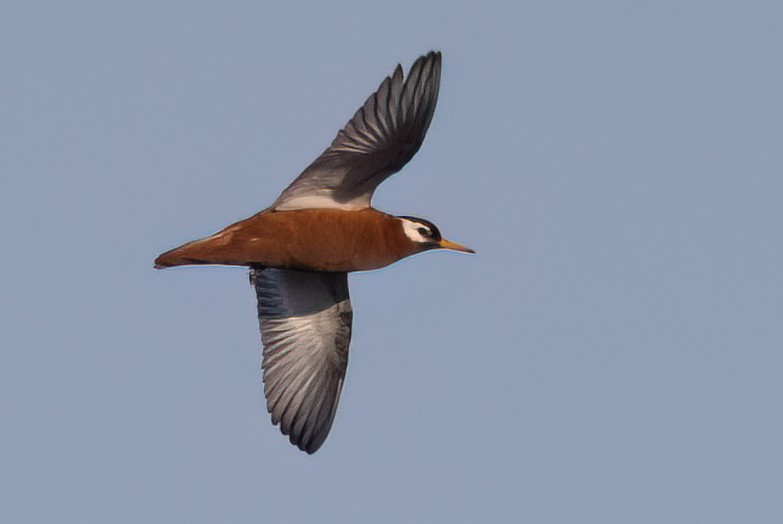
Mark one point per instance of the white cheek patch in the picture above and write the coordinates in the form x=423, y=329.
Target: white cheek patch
x=411, y=230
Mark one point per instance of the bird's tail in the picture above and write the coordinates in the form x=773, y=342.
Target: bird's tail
x=180, y=256
x=197, y=252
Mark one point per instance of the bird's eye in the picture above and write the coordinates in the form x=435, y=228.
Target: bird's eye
x=423, y=231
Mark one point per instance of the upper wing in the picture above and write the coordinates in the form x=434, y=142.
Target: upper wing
x=305, y=320
x=378, y=141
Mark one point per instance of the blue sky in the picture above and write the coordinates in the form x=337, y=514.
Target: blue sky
x=612, y=354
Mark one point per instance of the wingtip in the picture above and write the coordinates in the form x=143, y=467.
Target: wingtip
x=431, y=55
x=308, y=448
x=434, y=55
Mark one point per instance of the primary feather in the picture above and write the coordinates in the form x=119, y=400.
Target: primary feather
x=305, y=320
x=378, y=141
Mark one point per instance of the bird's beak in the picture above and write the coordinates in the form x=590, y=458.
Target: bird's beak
x=448, y=244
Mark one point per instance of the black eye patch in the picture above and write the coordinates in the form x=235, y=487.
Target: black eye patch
x=424, y=231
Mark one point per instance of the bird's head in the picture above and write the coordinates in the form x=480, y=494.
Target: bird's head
x=425, y=235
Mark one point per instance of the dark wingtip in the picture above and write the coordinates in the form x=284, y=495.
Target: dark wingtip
x=309, y=449
x=433, y=55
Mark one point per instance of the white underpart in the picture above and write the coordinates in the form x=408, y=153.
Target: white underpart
x=411, y=230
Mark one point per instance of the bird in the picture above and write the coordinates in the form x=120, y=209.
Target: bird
x=300, y=250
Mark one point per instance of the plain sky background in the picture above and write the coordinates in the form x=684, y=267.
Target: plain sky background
x=613, y=353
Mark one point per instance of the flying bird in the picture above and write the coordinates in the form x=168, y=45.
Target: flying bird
x=323, y=226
